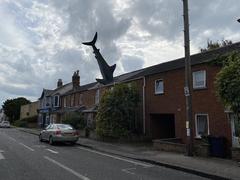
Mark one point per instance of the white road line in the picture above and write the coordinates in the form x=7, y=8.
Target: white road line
x=1, y=156
x=26, y=147
x=118, y=158
x=128, y=170
x=67, y=168
x=12, y=138
x=52, y=151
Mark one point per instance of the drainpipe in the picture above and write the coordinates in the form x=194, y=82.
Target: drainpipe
x=144, y=113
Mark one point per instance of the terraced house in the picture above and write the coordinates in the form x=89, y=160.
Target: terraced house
x=161, y=112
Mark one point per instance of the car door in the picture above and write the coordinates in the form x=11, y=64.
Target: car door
x=45, y=132
x=49, y=131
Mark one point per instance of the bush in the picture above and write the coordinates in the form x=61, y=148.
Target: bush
x=75, y=119
x=116, y=113
x=27, y=122
x=20, y=123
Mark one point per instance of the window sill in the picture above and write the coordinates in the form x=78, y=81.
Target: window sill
x=199, y=88
x=158, y=93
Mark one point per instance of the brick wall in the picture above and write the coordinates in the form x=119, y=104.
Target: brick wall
x=172, y=101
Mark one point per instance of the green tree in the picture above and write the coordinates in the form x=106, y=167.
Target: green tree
x=12, y=107
x=228, y=85
x=214, y=45
x=117, y=111
x=228, y=82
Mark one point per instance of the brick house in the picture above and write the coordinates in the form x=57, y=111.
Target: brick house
x=86, y=98
x=161, y=112
x=29, y=110
x=49, y=104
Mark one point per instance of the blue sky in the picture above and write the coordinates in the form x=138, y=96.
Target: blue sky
x=40, y=40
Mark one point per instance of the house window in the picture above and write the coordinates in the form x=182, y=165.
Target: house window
x=72, y=100
x=65, y=102
x=199, y=79
x=202, y=125
x=56, y=101
x=81, y=99
x=159, y=86
x=97, y=97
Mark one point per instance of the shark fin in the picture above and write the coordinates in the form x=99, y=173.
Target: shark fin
x=112, y=68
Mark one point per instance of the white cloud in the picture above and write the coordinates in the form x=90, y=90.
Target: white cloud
x=40, y=40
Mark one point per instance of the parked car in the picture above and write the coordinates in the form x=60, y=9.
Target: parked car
x=59, y=133
x=5, y=124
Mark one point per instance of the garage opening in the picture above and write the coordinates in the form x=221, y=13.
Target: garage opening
x=163, y=126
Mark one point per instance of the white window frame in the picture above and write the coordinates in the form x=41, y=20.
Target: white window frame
x=97, y=96
x=196, y=126
x=194, y=82
x=159, y=92
x=64, y=101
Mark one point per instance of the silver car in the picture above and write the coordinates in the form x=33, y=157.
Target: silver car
x=5, y=124
x=59, y=133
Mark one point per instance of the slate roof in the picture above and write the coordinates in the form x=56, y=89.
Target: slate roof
x=47, y=92
x=196, y=59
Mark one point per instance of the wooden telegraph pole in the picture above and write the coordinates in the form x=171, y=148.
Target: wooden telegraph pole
x=188, y=78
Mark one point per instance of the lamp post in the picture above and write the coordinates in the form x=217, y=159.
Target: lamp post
x=188, y=84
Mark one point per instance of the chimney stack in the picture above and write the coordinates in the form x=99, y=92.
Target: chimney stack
x=76, y=79
x=59, y=83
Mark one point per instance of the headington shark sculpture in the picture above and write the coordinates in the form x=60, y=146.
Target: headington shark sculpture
x=106, y=70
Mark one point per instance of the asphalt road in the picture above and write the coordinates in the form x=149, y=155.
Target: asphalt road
x=23, y=157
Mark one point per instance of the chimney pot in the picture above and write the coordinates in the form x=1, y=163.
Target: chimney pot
x=59, y=83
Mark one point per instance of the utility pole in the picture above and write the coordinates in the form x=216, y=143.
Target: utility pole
x=188, y=78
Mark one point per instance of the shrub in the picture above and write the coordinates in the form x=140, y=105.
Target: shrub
x=116, y=112
x=27, y=122
x=20, y=123
x=75, y=119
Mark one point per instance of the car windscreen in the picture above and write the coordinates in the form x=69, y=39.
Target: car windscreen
x=64, y=126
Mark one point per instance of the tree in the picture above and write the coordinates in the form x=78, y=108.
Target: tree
x=228, y=85
x=12, y=107
x=214, y=45
x=228, y=82
x=117, y=111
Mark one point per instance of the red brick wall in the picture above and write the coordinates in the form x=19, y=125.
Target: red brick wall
x=173, y=101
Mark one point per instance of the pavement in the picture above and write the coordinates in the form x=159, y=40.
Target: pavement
x=212, y=168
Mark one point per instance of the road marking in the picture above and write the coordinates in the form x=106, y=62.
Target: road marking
x=118, y=158
x=54, y=152
x=26, y=147
x=67, y=168
x=1, y=156
x=128, y=170
x=12, y=138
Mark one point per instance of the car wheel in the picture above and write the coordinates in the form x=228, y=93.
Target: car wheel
x=51, y=142
x=40, y=138
x=72, y=143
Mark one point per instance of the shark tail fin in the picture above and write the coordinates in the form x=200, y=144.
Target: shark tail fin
x=112, y=68
x=91, y=43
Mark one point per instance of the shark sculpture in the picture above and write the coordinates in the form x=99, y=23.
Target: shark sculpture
x=106, y=70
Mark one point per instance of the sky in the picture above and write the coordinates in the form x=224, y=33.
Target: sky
x=41, y=40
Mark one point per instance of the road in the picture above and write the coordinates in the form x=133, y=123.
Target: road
x=23, y=157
